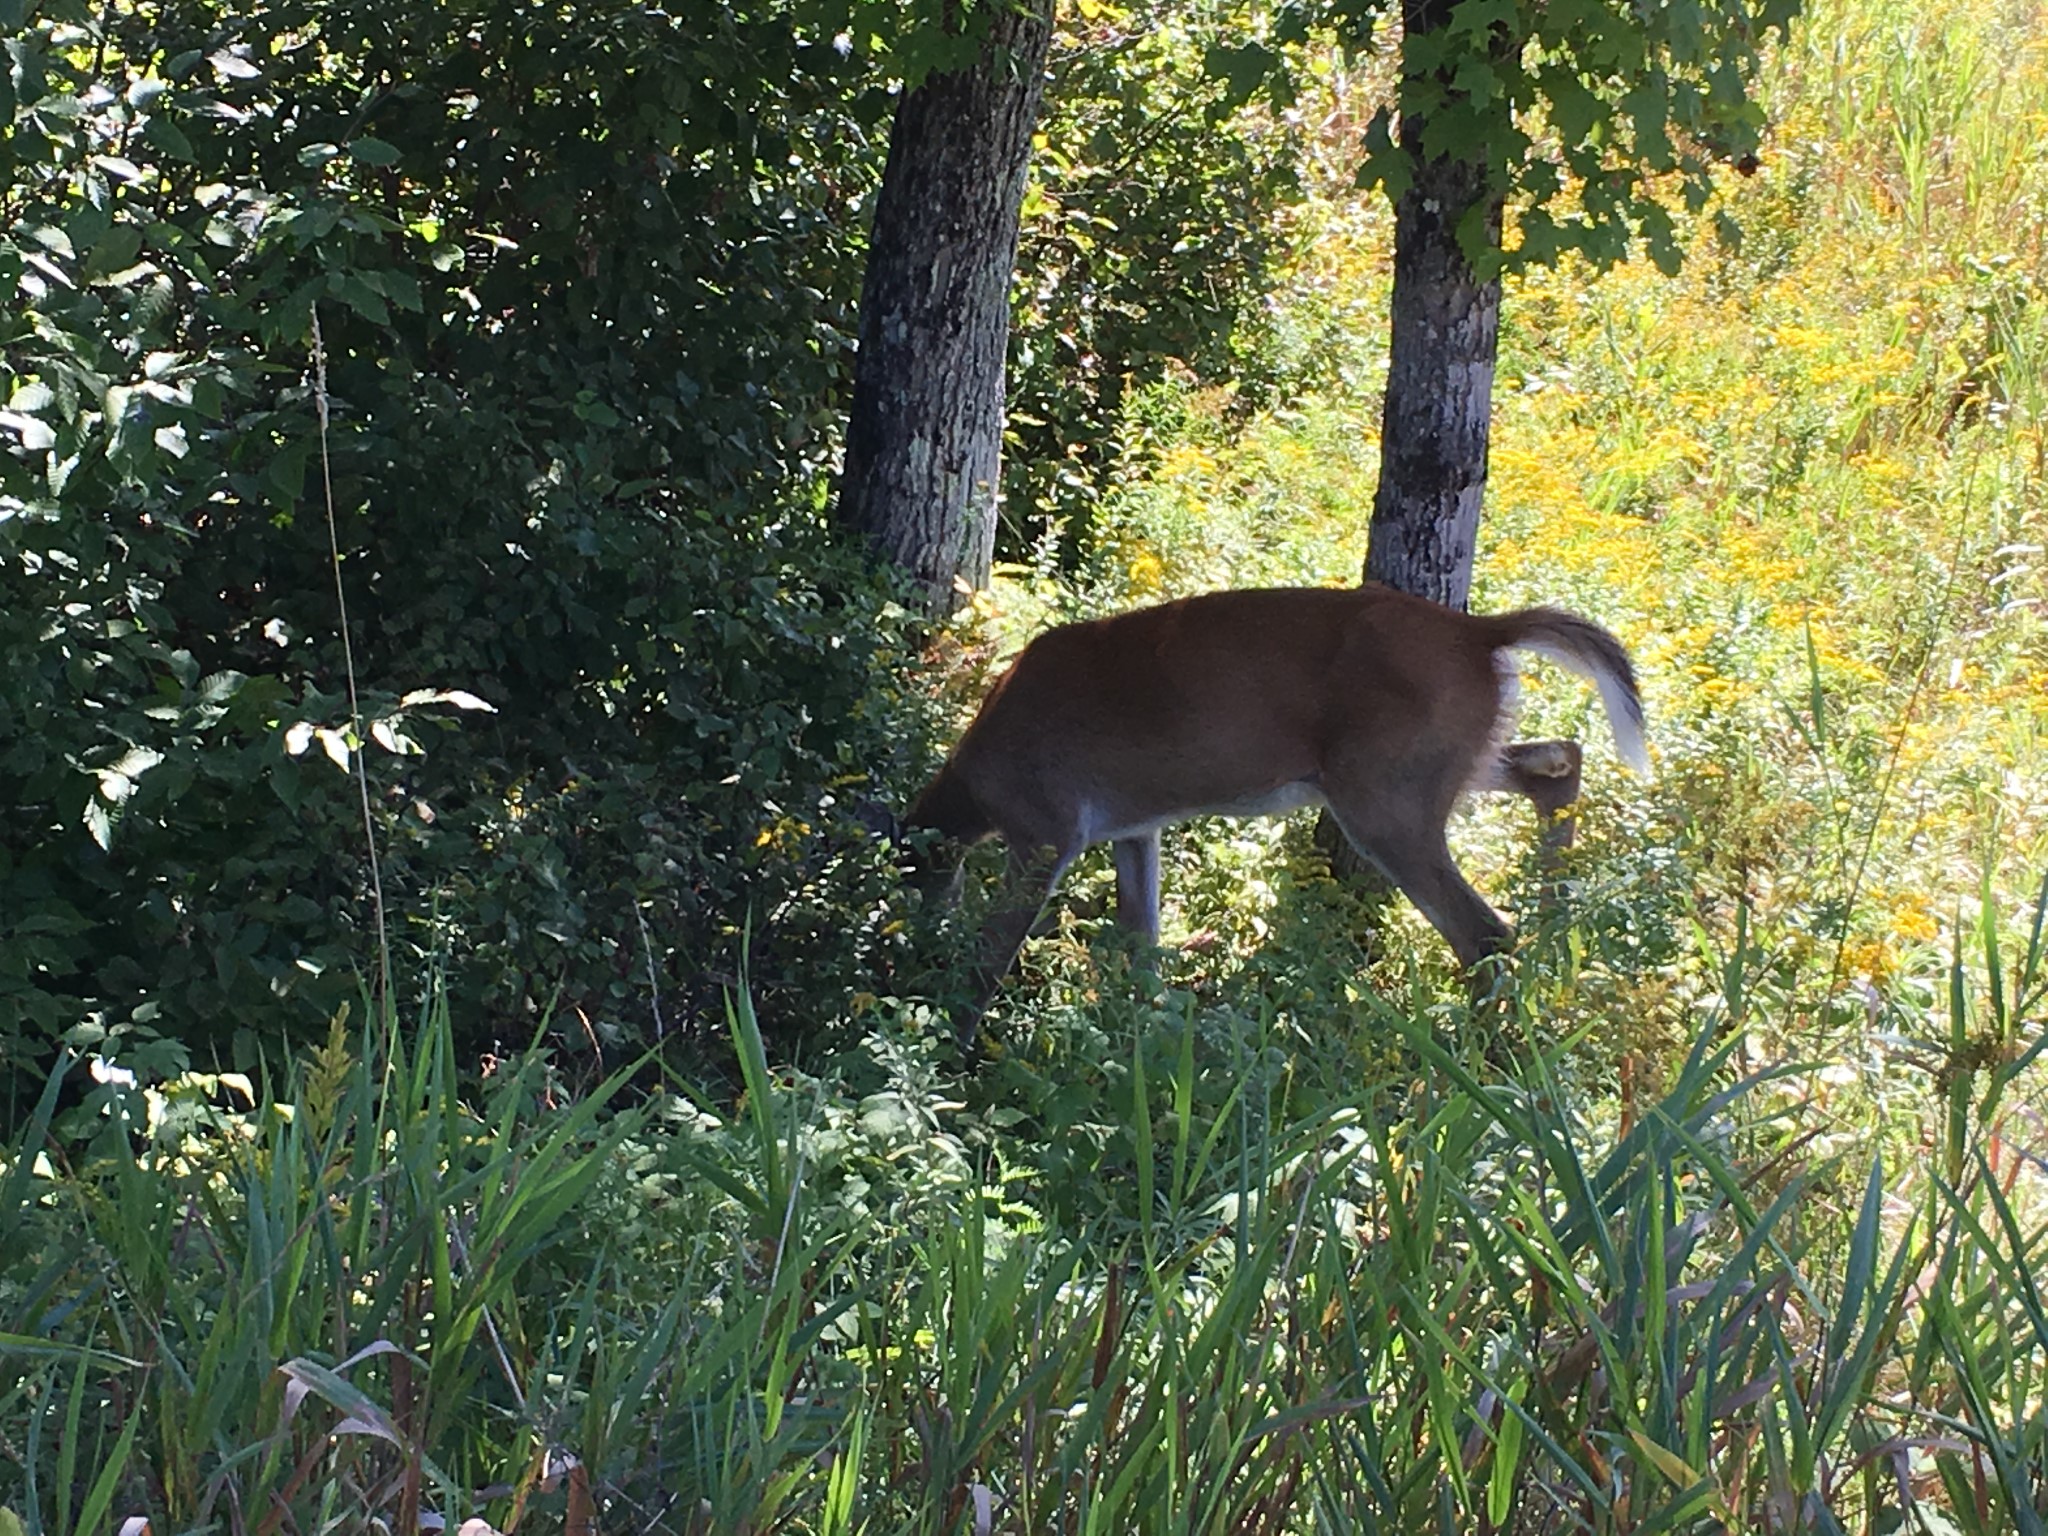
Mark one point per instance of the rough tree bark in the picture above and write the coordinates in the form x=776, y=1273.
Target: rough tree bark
x=924, y=434
x=1437, y=416
x=1438, y=412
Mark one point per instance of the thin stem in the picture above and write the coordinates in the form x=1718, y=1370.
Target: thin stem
x=348, y=658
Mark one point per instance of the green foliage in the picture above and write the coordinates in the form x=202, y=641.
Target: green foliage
x=1588, y=117
x=343, y=1327
x=1152, y=233
x=583, y=285
x=583, y=282
x=865, y=1302
x=1727, y=1220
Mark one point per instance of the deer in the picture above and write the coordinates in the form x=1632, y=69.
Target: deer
x=1383, y=707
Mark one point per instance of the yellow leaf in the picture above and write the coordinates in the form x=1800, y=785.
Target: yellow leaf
x=1665, y=1460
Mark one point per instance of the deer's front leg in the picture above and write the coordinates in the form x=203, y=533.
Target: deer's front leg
x=1028, y=883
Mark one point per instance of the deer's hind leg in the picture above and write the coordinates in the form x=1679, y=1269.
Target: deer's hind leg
x=1393, y=808
x=1419, y=863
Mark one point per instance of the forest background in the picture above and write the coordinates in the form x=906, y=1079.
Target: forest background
x=597, y=1152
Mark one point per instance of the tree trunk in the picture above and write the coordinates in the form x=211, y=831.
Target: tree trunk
x=1435, y=422
x=924, y=435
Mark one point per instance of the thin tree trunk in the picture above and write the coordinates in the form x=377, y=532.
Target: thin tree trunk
x=924, y=435
x=1436, y=419
x=1439, y=403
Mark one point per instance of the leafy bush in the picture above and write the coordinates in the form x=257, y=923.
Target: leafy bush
x=582, y=282
x=1152, y=237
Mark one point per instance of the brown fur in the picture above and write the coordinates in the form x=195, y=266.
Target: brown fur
x=1383, y=706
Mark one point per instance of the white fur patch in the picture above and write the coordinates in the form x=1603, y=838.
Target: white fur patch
x=1486, y=774
x=1624, y=715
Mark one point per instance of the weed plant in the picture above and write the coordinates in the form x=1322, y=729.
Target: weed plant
x=1453, y=1300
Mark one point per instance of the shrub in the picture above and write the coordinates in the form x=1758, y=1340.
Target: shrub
x=582, y=284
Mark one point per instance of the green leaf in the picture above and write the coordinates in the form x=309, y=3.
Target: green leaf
x=1461, y=129
x=51, y=239
x=114, y=251
x=360, y=1414
x=359, y=294
x=1661, y=238
x=285, y=477
x=125, y=171
x=1243, y=69
x=101, y=1496
x=99, y=823
x=402, y=289
x=36, y=435
x=228, y=65
x=1648, y=106
x=1507, y=1456
x=1574, y=110
x=367, y=151
x=1477, y=19
x=1385, y=164
x=1475, y=79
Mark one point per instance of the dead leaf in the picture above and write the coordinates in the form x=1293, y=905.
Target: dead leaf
x=580, y=1519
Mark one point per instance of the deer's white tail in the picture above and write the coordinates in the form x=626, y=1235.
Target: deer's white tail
x=1587, y=649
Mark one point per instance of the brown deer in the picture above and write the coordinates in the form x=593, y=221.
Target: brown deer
x=1381, y=706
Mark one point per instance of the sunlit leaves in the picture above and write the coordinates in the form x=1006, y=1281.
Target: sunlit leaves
x=1244, y=68
x=1153, y=228
x=1588, y=115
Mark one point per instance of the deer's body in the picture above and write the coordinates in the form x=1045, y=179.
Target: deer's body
x=1381, y=706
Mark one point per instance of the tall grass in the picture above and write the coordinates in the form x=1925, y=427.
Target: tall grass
x=1457, y=1303
x=325, y=1300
